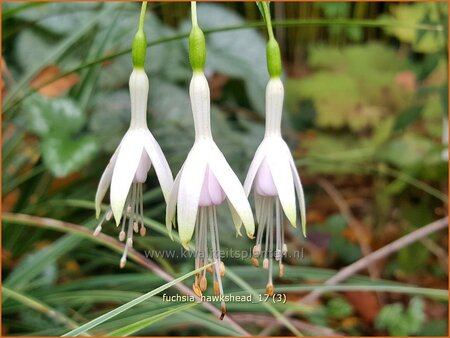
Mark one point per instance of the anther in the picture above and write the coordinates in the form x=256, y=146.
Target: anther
x=197, y=290
x=277, y=255
x=223, y=309
x=203, y=283
x=97, y=230
x=255, y=262
x=135, y=227
x=123, y=260
x=257, y=250
x=122, y=236
x=143, y=231
x=222, y=269
x=269, y=289
x=108, y=215
x=265, y=263
x=216, y=288
x=284, y=250
x=130, y=242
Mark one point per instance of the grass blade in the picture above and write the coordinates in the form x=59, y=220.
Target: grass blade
x=93, y=323
x=142, y=324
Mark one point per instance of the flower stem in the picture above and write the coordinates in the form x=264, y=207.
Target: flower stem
x=194, y=13
x=267, y=18
x=142, y=17
x=272, y=50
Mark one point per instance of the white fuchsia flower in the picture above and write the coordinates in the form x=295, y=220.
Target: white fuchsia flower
x=137, y=152
x=275, y=180
x=273, y=174
x=205, y=181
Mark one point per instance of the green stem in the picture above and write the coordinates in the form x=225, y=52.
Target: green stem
x=194, y=13
x=268, y=19
x=142, y=17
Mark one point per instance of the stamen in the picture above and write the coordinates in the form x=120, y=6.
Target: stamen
x=278, y=226
x=281, y=272
x=143, y=230
x=270, y=230
x=216, y=255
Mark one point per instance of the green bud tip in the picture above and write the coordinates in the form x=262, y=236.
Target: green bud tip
x=273, y=58
x=139, y=49
x=197, y=49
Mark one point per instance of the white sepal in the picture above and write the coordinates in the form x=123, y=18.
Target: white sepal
x=104, y=183
x=124, y=171
x=172, y=204
x=233, y=189
x=278, y=161
x=191, y=182
x=159, y=162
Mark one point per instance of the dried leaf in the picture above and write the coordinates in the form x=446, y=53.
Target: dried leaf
x=54, y=88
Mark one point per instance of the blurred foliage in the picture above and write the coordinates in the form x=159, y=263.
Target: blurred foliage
x=400, y=321
x=366, y=92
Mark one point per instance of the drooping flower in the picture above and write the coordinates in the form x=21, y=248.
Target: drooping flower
x=128, y=167
x=205, y=181
x=275, y=180
x=273, y=176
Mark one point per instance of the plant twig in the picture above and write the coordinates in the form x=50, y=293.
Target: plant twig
x=352, y=221
x=265, y=320
x=114, y=244
x=360, y=264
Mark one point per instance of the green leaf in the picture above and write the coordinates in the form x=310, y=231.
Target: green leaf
x=64, y=155
x=93, y=323
x=55, y=117
x=399, y=322
x=54, y=55
x=407, y=151
x=410, y=15
x=339, y=308
x=142, y=324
